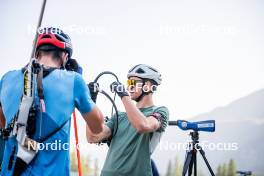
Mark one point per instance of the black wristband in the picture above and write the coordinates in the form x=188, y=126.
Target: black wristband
x=157, y=116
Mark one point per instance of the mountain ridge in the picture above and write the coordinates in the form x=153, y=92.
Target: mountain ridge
x=240, y=122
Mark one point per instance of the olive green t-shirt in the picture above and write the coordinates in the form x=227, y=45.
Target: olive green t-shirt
x=129, y=152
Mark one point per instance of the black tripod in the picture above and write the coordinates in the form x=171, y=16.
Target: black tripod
x=190, y=162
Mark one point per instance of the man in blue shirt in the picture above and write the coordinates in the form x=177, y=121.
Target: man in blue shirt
x=64, y=90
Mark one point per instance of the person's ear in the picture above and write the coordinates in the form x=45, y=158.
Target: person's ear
x=149, y=83
x=64, y=58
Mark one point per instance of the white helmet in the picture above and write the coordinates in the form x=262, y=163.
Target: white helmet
x=145, y=72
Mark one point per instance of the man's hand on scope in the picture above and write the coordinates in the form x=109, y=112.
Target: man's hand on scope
x=119, y=88
x=94, y=89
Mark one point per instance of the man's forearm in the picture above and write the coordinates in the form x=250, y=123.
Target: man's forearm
x=136, y=118
x=95, y=138
x=91, y=137
x=95, y=120
x=2, y=119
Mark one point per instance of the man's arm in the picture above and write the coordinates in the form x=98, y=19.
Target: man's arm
x=83, y=102
x=137, y=118
x=94, y=120
x=96, y=138
x=2, y=118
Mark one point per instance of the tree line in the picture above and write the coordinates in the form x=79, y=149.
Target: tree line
x=226, y=169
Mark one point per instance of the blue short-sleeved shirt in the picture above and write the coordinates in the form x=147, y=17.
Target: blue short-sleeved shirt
x=63, y=91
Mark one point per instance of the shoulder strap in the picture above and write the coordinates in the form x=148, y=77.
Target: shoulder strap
x=55, y=131
x=46, y=71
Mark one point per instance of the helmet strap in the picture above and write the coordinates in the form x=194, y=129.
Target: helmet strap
x=143, y=93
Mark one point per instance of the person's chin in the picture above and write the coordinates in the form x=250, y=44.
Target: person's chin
x=132, y=97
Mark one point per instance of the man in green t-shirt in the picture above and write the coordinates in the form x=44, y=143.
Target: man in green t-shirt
x=139, y=129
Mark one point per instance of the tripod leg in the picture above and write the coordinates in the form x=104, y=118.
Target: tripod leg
x=187, y=162
x=191, y=165
x=195, y=162
x=205, y=160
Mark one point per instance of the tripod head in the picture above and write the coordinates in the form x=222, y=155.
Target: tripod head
x=195, y=136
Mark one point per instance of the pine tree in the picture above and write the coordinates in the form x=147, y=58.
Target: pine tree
x=96, y=167
x=200, y=173
x=224, y=172
x=219, y=171
x=231, y=168
x=169, y=169
x=73, y=158
x=85, y=166
x=178, y=167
